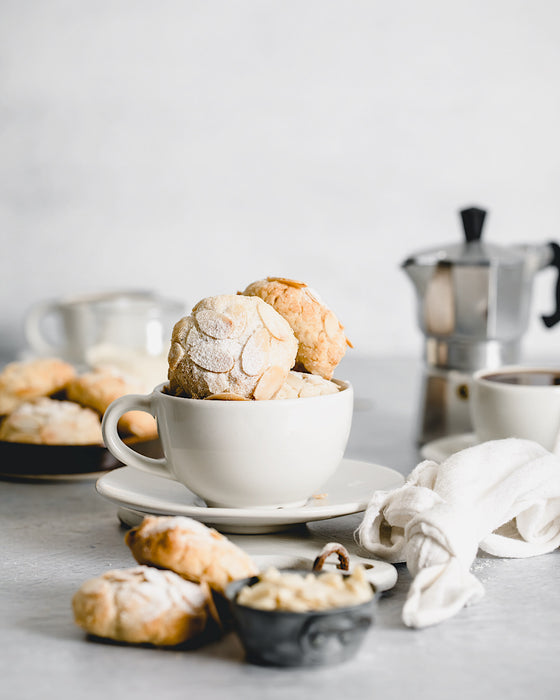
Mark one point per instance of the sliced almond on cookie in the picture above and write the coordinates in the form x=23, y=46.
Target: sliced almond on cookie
x=287, y=282
x=277, y=326
x=238, y=315
x=332, y=326
x=314, y=295
x=255, y=353
x=269, y=383
x=175, y=356
x=214, y=324
x=180, y=329
x=225, y=396
x=211, y=357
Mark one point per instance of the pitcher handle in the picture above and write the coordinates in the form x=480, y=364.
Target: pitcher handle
x=33, y=327
x=119, y=449
x=554, y=318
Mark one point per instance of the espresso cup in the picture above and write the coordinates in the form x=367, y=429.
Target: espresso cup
x=517, y=401
x=241, y=454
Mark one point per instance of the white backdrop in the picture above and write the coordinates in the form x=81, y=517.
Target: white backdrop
x=192, y=146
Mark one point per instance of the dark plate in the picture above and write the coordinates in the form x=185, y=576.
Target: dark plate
x=20, y=460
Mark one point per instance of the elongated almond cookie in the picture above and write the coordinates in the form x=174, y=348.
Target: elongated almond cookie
x=142, y=605
x=190, y=549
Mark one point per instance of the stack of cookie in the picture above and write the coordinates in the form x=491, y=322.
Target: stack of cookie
x=45, y=401
x=168, y=599
x=275, y=340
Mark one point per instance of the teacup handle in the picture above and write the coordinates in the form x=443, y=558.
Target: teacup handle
x=113, y=442
x=33, y=327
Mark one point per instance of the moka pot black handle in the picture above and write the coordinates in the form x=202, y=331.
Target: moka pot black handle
x=554, y=318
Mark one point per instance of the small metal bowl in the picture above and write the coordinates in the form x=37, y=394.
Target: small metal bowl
x=315, y=638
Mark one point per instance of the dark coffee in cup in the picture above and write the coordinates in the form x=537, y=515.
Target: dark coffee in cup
x=517, y=401
x=526, y=378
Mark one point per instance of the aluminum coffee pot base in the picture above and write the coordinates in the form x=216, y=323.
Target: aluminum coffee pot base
x=444, y=405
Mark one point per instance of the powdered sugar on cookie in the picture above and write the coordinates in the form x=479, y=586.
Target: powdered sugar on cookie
x=51, y=422
x=230, y=344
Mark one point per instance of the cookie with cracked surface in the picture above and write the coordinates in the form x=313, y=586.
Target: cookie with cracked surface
x=321, y=337
x=29, y=380
x=231, y=344
x=100, y=387
x=300, y=385
x=142, y=605
x=190, y=549
x=49, y=422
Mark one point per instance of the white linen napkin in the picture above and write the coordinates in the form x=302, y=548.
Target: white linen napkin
x=501, y=496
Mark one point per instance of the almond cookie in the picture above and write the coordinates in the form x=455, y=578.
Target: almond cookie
x=100, y=387
x=299, y=385
x=25, y=381
x=49, y=422
x=231, y=344
x=321, y=337
x=190, y=549
x=142, y=605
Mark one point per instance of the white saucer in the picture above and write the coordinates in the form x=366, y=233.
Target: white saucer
x=441, y=449
x=347, y=491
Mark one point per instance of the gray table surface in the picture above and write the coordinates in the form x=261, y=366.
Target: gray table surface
x=56, y=534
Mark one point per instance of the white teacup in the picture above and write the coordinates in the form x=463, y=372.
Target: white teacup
x=105, y=328
x=517, y=401
x=241, y=454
